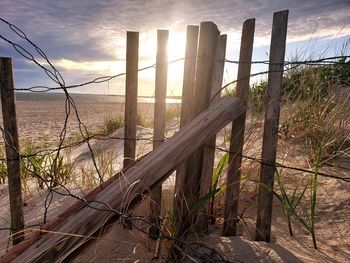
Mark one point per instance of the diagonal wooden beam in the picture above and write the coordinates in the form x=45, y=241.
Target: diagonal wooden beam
x=138, y=180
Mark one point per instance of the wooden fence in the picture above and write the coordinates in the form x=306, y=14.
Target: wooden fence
x=190, y=151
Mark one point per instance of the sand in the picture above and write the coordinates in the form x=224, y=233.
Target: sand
x=38, y=120
x=332, y=230
x=41, y=117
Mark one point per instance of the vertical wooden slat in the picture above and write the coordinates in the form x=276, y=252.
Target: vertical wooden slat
x=237, y=132
x=12, y=149
x=268, y=155
x=204, y=71
x=187, y=95
x=209, y=149
x=151, y=170
x=189, y=74
x=159, y=119
x=131, y=81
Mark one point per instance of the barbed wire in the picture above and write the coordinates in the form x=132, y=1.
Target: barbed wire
x=103, y=79
x=70, y=105
x=55, y=75
x=288, y=167
x=57, y=78
x=334, y=60
x=150, y=139
x=97, y=80
x=120, y=215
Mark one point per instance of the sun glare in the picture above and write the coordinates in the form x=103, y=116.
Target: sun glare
x=176, y=45
x=176, y=50
x=147, y=56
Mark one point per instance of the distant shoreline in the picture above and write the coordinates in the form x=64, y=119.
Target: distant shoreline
x=54, y=96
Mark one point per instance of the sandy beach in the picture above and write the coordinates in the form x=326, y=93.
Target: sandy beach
x=43, y=119
x=41, y=116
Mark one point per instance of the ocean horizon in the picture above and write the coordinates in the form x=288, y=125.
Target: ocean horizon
x=55, y=96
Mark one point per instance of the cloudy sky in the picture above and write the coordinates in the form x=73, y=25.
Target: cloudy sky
x=86, y=39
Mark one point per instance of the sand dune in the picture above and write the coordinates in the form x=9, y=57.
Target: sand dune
x=333, y=207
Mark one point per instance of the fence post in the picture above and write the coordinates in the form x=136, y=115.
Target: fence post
x=190, y=184
x=152, y=169
x=237, y=131
x=131, y=79
x=272, y=103
x=209, y=149
x=10, y=134
x=159, y=121
x=189, y=74
x=187, y=97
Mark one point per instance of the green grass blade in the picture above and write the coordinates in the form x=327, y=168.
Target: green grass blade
x=221, y=165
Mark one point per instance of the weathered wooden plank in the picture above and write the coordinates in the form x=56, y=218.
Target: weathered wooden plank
x=187, y=94
x=145, y=175
x=10, y=134
x=237, y=131
x=60, y=219
x=131, y=82
x=202, y=89
x=209, y=146
x=159, y=120
x=189, y=74
x=205, y=62
x=268, y=155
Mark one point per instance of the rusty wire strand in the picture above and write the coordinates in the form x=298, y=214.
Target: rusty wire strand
x=57, y=78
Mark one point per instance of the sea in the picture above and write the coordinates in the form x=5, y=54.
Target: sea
x=52, y=96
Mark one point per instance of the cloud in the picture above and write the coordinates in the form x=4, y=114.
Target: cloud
x=87, y=23
x=94, y=31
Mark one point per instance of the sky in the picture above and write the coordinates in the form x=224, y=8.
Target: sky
x=86, y=39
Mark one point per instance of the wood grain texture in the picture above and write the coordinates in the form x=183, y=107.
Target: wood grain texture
x=131, y=83
x=202, y=90
x=237, y=132
x=159, y=120
x=209, y=145
x=187, y=95
x=10, y=134
x=143, y=177
x=269, y=148
x=189, y=74
x=60, y=219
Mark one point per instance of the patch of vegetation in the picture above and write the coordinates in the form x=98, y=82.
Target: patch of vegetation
x=291, y=204
x=256, y=96
x=315, y=82
x=57, y=170
x=32, y=163
x=144, y=121
x=229, y=92
x=46, y=167
x=104, y=162
x=315, y=105
x=112, y=124
x=173, y=111
x=306, y=82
